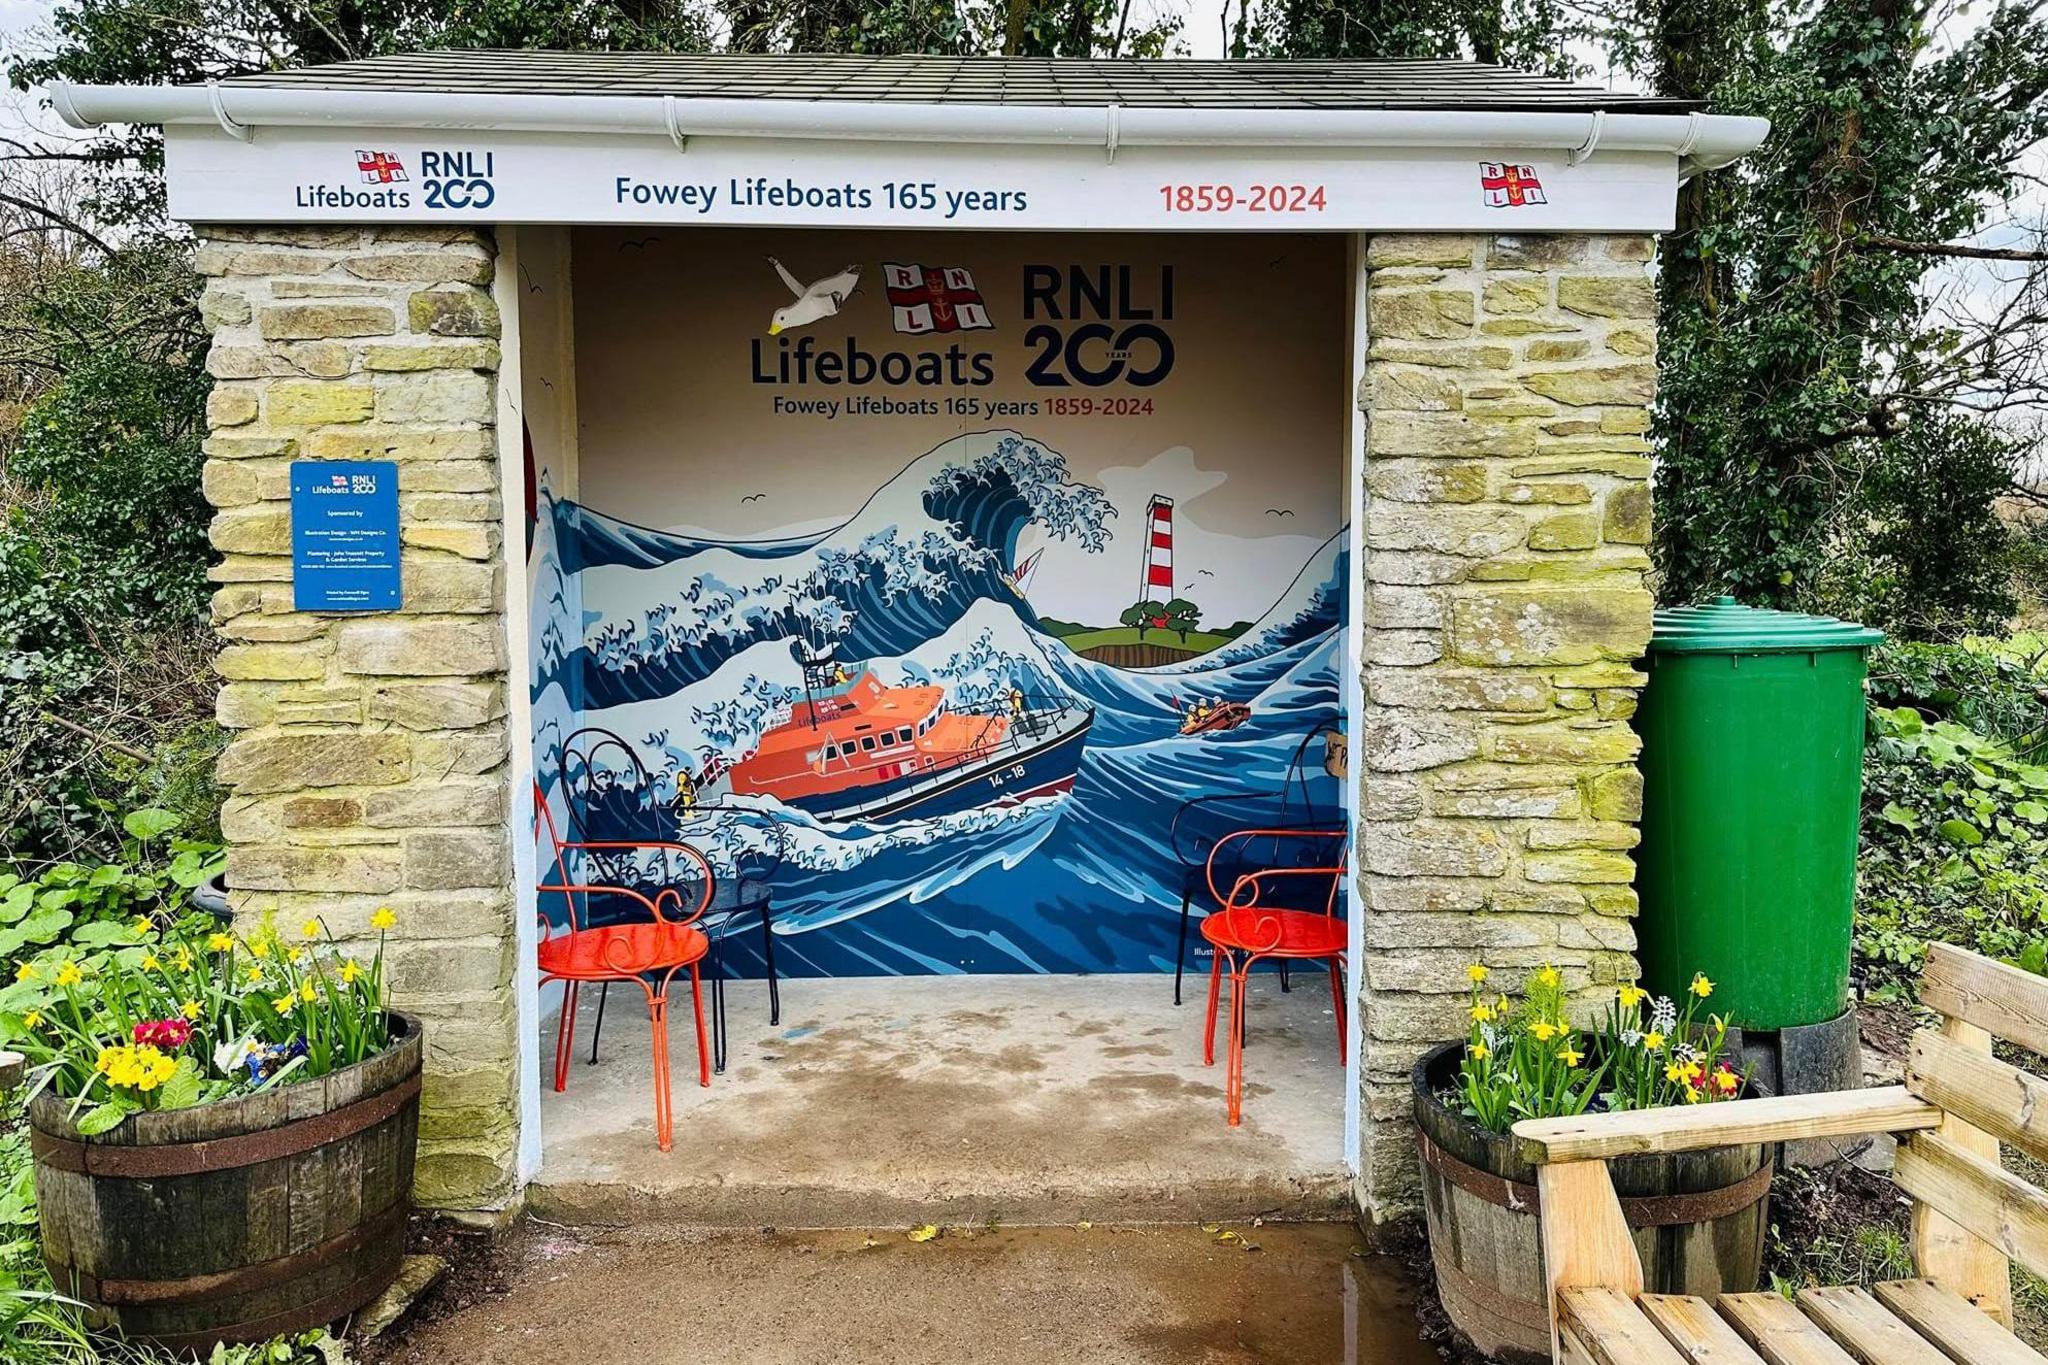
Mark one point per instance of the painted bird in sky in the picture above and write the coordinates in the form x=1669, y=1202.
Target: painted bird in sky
x=813, y=301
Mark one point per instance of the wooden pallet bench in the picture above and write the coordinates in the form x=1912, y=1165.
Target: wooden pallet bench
x=1970, y=1218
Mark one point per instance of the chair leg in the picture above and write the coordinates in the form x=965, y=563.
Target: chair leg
x=697, y=1004
x=1180, y=953
x=664, y=1123
x=1337, y=999
x=768, y=953
x=717, y=960
x=604, y=993
x=1286, y=986
x=565, y=1036
x=1233, y=1074
x=1209, y=1026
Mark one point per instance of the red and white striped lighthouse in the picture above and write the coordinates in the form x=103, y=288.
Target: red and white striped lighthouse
x=1155, y=584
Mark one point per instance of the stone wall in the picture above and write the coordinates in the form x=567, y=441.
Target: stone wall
x=369, y=763
x=1506, y=397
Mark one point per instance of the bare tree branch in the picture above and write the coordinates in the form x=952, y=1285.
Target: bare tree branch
x=1975, y=253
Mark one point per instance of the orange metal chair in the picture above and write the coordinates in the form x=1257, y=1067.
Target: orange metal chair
x=1244, y=931
x=648, y=953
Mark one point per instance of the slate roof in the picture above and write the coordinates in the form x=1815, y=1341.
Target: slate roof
x=1189, y=84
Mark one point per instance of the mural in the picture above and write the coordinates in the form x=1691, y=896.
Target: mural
x=957, y=713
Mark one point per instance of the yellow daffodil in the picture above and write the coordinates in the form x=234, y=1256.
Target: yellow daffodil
x=1548, y=976
x=255, y=971
x=219, y=943
x=1675, y=1072
x=1478, y=1052
x=1481, y=1012
x=383, y=919
x=310, y=929
x=1631, y=996
x=1475, y=973
x=1570, y=1055
x=68, y=974
x=143, y=924
x=26, y=972
x=149, y=962
x=1544, y=1030
x=295, y=956
x=33, y=1019
x=1692, y=1095
x=1653, y=1040
x=1701, y=986
x=260, y=949
x=350, y=970
x=284, y=1003
x=306, y=991
x=190, y=1009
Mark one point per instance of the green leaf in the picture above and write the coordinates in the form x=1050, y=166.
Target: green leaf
x=2033, y=812
x=102, y=1118
x=1961, y=832
x=40, y=928
x=1896, y=814
x=149, y=822
x=101, y=933
x=181, y=1091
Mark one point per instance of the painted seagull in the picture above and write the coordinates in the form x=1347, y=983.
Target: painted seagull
x=813, y=301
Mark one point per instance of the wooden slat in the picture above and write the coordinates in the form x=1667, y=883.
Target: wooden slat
x=1943, y=1250
x=1586, y=1241
x=1612, y=1330
x=1972, y=1084
x=1947, y=1319
x=1781, y=1334
x=1701, y=1335
x=1861, y=1326
x=1984, y=1199
x=2003, y=1001
x=1780, y=1118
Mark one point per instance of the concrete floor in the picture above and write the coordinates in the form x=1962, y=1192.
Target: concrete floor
x=953, y=1100
x=1014, y=1296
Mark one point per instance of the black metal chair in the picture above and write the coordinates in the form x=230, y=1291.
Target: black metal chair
x=1202, y=822
x=624, y=801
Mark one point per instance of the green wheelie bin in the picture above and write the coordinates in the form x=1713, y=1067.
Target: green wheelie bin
x=1752, y=725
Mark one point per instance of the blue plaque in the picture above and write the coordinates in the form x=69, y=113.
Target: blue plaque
x=345, y=535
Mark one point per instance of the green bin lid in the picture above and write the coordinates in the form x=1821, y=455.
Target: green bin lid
x=1725, y=626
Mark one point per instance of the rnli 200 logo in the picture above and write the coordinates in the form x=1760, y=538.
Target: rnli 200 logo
x=457, y=180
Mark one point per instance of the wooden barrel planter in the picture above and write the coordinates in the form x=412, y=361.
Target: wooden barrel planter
x=1700, y=1219
x=237, y=1220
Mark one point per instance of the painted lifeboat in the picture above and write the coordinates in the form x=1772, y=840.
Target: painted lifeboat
x=1216, y=719
x=864, y=751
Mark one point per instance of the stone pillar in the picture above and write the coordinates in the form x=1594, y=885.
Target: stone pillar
x=1506, y=397
x=369, y=762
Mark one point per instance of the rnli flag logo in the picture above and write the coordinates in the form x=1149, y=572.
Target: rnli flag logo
x=379, y=168
x=933, y=299
x=1507, y=186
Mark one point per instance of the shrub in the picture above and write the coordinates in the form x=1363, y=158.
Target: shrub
x=88, y=906
x=1954, y=835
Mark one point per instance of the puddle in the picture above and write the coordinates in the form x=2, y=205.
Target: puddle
x=1238, y=1293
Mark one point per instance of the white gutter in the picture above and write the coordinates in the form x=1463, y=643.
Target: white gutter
x=1704, y=141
